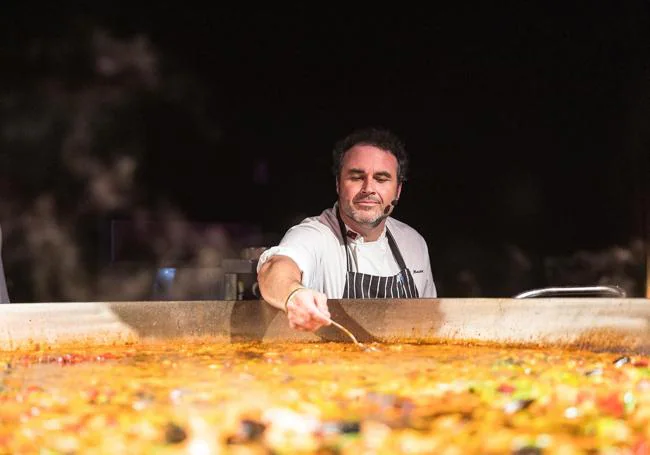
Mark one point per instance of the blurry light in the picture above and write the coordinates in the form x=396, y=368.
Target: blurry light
x=571, y=413
x=199, y=447
x=167, y=273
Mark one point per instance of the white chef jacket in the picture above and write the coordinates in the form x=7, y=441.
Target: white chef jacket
x=316, y=246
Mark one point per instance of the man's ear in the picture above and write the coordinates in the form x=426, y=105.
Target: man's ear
x=337, y=185
x=399, y=191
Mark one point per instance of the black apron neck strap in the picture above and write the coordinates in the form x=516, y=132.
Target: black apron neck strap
x=396, y=252
x=344, y=236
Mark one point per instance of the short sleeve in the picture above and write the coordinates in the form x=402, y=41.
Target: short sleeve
x=304, y=244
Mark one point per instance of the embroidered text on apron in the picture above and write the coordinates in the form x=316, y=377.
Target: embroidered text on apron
x=364, y=286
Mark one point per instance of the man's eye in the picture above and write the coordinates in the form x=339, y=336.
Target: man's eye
x=356, y=177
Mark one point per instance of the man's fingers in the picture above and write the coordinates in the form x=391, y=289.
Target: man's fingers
x=321, y=304
x=307, y=310
x=299, y=316
x=310, y=321
x=298, y=327
x=306, y=326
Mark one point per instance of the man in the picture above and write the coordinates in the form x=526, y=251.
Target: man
x=4, y=296
x=354, y=249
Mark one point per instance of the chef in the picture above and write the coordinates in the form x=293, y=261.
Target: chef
x=4, y=296
x=355, y=249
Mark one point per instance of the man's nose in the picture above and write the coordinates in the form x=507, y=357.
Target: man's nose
x=368, y=185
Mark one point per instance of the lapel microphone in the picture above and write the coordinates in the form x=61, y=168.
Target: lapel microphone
x=390, y=207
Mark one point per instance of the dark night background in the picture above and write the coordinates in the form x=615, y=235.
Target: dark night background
x=527, y=127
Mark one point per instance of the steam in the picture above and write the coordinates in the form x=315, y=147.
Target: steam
x=71, y=148
x=619, y=265
x=512, y=270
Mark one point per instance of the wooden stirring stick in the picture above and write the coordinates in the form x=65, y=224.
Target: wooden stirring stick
x=362, y=346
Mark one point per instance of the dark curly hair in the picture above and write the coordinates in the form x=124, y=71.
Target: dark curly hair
x=376, y=137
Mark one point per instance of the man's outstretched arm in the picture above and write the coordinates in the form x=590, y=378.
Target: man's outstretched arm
x=279, y=279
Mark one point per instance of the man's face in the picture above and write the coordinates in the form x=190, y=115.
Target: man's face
x=367, y=184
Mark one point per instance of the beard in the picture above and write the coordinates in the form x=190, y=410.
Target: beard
x=370, y=216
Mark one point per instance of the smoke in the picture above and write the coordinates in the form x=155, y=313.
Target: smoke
x=509, y=270
x=618, y=265
x=73, y=144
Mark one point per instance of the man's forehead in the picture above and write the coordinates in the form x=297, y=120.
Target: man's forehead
x=369, y=156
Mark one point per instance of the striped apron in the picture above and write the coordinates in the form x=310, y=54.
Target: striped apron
x=364, y=286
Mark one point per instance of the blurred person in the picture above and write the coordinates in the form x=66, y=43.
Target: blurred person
x=4, y=295
x=354, y=249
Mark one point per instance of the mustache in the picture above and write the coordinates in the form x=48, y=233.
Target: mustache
x=366, y=198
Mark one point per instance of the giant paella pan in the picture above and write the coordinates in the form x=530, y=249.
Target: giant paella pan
x=454, y=376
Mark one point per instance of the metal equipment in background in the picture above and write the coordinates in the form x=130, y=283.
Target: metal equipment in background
x=235, y=279
x=240, y=275
x=240, y=280
x=574, y=291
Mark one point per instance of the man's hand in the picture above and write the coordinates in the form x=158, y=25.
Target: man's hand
x=280, y=279
x=307, y=310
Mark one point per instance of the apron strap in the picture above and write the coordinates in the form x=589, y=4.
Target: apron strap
x=345, y=239
x=395, y=250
